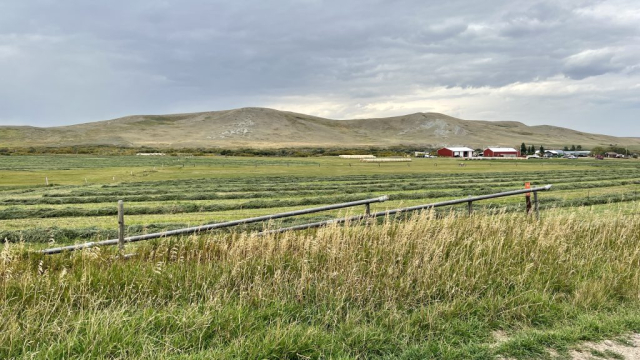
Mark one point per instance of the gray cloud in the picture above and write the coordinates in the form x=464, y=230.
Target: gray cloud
x=592, y=63
x=75, y=61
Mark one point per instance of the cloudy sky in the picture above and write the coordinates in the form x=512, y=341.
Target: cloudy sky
x=568, y=63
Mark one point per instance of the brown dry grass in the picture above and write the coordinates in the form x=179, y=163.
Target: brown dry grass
x=422, y=288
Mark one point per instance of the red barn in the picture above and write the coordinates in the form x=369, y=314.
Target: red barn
x=501, y=152
x=459, y=152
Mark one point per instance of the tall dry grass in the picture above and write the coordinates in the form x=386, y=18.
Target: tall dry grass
x=435, y=286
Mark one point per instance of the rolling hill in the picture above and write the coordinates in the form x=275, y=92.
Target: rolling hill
x=268, y=128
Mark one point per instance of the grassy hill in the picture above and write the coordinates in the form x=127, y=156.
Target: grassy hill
x=268, y=128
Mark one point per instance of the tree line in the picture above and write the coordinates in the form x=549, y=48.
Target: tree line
x=530, y=150
x=108, y=150
x=601, y=150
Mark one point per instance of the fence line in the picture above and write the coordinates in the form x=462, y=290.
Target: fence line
x=197, y=229
x=469, y=200
x=191, y=230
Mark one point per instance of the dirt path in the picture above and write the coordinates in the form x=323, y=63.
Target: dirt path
x=628, y=349
x=609, y=350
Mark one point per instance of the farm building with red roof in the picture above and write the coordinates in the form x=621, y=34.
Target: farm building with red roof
x=501, y=152
x=458, y=152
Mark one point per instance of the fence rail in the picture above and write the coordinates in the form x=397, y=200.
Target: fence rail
x=469, y=200
x=196, y=229
x=191, y=230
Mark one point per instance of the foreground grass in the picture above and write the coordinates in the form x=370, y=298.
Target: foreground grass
x=423, y=288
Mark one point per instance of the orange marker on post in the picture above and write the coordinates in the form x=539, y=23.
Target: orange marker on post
x=527, y=185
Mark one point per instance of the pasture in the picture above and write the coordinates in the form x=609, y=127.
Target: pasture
x=170, y=192
x=438, y=284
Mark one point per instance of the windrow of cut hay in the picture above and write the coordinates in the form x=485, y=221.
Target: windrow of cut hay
x=435, y=286
x=357, y=156
x=385, y=160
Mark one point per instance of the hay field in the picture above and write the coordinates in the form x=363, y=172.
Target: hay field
x=437, y=285
x=169, y=192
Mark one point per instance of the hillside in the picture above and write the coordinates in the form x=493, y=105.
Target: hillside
x=268, y=128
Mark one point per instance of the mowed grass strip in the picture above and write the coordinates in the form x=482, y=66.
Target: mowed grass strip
x=215, y=193
x=103, y=209
x=69, y=229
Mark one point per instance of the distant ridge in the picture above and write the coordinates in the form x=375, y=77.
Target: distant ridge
x=268, y=128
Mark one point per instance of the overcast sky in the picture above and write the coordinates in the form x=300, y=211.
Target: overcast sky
x=567, y=63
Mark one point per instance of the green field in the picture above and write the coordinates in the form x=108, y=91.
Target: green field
x=437, y=285
x=172, y=192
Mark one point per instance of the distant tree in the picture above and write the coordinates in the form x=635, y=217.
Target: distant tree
x=573, y=148
x=565, y=148
x=598, y=150
x=541, y=150
x=617, y=150
x=532, y=150
x=579, y=147
x=523, y=149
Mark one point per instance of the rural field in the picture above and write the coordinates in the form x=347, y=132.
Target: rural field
x=435, y=284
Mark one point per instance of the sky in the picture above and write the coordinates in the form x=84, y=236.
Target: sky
x=567, y=63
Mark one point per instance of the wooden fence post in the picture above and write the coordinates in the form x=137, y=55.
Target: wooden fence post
x=121, y=226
